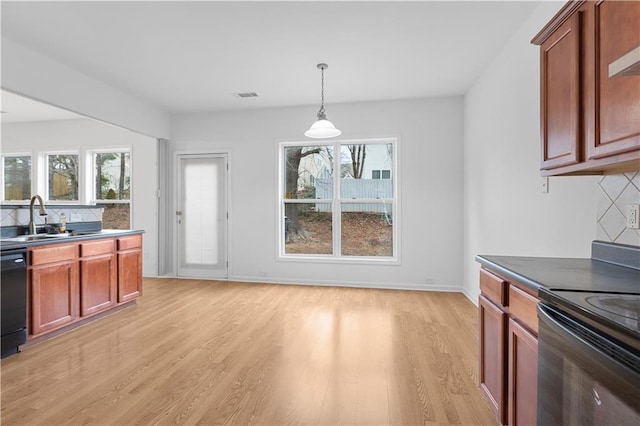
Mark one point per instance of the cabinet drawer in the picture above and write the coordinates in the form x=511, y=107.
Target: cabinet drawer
x=494, y=287
x=522, y=307
x=51, y=254
x=94, y=248
x=127, y=243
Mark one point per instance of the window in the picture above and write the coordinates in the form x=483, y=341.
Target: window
x=62, y=177
x=17, y=177
x=99, y=176
x=380, y=174
x=329, y=206
x=112, y=187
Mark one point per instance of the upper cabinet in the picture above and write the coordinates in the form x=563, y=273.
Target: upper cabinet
x=590, y=88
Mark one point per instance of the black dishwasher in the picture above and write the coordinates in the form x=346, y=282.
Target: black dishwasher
x=13, y=299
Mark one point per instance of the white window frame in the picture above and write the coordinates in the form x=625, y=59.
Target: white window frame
x=91, y=173
x=86, y=170
x=43, y=176
x=31, y=173
x=336, y=203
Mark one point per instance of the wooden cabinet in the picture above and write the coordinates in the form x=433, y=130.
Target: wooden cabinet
x=523, y=375
x=559, y=90
x=493, y=355
x=590, y=120
x=53, y=289
x=129, y=268
x=98, y=276
x=508, y=349
x=74, y=280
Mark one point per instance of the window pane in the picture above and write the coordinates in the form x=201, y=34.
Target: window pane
x=116, y=216
x=308, y=228
x=308, y=172
x=357, y=162
x=112, y=176
x=17, y=178
x=367, y=229
x=63, y=177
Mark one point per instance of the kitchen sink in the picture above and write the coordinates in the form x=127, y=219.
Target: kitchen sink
x=29, y=237
x=37, y=237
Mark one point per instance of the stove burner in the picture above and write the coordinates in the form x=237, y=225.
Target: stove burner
x=624, y=305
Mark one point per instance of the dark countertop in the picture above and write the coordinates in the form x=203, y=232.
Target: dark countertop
x=564, y=273
x=11, y=243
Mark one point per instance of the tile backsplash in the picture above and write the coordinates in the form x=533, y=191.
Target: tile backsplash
x=615, y=192
x=20, y=216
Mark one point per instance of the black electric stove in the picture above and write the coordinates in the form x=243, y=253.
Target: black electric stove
x=612, y=308
x=614, y=314
x=589, y=343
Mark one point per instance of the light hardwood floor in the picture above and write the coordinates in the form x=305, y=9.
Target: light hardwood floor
x=212, y=352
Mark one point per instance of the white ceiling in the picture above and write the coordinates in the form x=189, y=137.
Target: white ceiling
x=193, y=56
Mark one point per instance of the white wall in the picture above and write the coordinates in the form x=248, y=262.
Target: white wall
x=39, y=77
x=85, y=134
x=430, y=168
x=505, y=211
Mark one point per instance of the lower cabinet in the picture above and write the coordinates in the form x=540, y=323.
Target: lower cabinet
x=493, y=382
x=74, y=280
x=508, y=349
x=54, y=288
x=54, y=295
x=523, y=375
x=98, y=276
x=129, y=268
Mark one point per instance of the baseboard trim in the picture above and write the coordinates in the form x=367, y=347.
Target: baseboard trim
x=354, y=284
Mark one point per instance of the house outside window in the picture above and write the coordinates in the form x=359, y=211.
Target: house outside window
x=380, y=174
x=332, y=206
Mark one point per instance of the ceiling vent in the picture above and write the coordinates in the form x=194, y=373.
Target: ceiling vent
x=247, y=95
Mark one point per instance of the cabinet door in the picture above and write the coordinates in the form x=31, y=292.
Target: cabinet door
x=54, y=296
x=612, y=104
x=97, y=283
x=492, y=356
x=560, y=96
x=129, y=275
x=523, y=375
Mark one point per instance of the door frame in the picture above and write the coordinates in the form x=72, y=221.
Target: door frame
x=177, y=155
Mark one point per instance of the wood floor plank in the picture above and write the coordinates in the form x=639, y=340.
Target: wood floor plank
x=209, y=352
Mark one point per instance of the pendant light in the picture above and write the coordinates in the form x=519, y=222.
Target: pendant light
x=322, y=128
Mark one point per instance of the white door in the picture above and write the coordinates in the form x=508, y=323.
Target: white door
x=201, y=216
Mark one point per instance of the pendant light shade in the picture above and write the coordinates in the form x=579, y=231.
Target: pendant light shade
x=322, y=128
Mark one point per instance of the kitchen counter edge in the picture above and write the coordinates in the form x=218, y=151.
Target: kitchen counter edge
x=105, y=233
x=584, y=274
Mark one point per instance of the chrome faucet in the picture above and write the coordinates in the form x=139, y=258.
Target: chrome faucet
x=43, y=212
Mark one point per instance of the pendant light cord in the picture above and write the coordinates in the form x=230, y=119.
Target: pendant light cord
x=321, y=114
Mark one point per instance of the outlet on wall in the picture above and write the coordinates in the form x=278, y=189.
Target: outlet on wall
x=633, y=213
x=544, y=184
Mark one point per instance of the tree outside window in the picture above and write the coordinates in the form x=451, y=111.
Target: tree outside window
x=112, y=188
x=62, y=173
x=17, y=177
x=358, y=203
